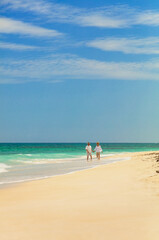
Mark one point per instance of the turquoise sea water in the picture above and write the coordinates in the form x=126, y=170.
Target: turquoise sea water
x=28, y=161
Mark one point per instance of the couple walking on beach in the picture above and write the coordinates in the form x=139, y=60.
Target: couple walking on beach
x=97, y=149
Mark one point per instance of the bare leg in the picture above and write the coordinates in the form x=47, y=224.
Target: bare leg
x=87, y=156
x=98, y=155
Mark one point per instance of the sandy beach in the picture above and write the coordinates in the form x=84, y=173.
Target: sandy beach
x=115, y=201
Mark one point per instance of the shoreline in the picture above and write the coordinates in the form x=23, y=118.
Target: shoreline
x=107, y=156
x=111, y=201
x=110, y=156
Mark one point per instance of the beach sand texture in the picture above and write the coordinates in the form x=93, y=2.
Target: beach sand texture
x=118, y=201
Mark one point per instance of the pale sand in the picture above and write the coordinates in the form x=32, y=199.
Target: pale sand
x=118, y=201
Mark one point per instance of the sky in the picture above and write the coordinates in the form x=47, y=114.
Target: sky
x=78, y=71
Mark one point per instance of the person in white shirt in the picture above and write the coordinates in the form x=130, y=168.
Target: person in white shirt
x=98, y=150
x=89, y=151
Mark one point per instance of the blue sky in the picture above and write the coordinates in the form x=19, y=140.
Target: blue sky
x=73, y=71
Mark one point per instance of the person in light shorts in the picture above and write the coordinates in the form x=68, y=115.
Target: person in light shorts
x=89, y=151
x=98, y=150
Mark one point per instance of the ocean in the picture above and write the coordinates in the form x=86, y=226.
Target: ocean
x=21, y=162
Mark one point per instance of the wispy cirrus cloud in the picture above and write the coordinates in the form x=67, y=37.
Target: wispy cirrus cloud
x=14, y=46
x=10, y=26
x=99, y=20
x=116, y=16
x=64, y=67
x=104, y=17
x=51, y=10
x=148, y=17
x=149, y=45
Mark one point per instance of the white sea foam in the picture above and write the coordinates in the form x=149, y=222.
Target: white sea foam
x=32, y=161
x=4, y=167
x=21, y=154
x=56, y=160
x=42, y=161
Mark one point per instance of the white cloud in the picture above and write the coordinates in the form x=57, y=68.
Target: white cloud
x=14, y=46
x=115, y=16
x=42, y=8
x=106, y=17
x=97, y=20
x=150, y=18
x=148, y=45
x=8, y=25
x=64, y=67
